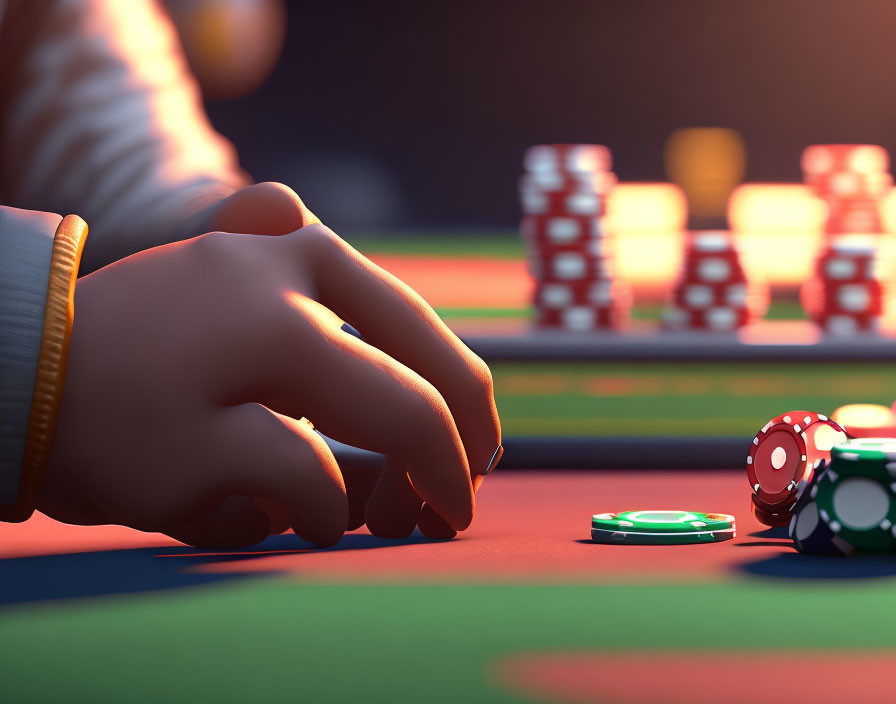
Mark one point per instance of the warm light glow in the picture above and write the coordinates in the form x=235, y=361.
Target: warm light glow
x=775, y=208
x=888, y=211
x=864, y=415
x=778, y=228
x=707, y=162
x=647, y=221
x=659, y=207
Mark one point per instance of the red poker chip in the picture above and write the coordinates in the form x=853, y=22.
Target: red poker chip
x=847, y=185
x=710, y=241
x=840, y=265
x=845, y=325
x=568, y=266
x=865, y=223
x=700, y=296
x=859, y=158
x=823, y=299
x=785, y=452
x=775, y=519
x=843, y=211
x=583, y=318
x=863, y=202
x=714, y=319
x=582, y=203
x=713, y=270
x=558, y=182
x=563, y=230
x=552, y=295
x=573, y=158
x=853, y=297
x=597, y=248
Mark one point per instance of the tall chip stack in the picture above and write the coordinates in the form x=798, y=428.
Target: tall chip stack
x=563, y=192
x=713, y=291
x=845, y=295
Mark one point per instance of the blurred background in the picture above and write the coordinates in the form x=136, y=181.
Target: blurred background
x=404, y=124
x=415, y=114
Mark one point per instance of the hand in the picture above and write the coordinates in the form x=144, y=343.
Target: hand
x=190, y=363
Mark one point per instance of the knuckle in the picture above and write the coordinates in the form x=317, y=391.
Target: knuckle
x=210, y=242
x=426, y=409
x=318, y=241
x=480, y=376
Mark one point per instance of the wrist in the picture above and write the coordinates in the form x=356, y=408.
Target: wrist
x=68, y=245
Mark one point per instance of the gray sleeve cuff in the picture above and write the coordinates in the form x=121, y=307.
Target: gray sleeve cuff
x=26, y=247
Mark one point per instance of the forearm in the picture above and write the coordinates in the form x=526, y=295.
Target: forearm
x=101, y=117
x=39, y=258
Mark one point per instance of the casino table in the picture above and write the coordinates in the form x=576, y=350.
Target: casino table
x=522, y=607
x=640, y=385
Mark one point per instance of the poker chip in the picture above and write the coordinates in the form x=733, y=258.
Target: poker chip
x=571, y=266
x=662, y=521
x=563, y=197
x=563, y=230
x=583, y=317
x=784, y=454
x=661, y=527
x=819, y=159
x=567, y=158
x=845, y=296
x=874, y=458
x=622, y=537
x=556, y=295
x=712, y=319
x=809, y=532
x=556, y=181
x=848, y=325
x=713, y=292
x=769, y=516
x=857, y=509
x=851, y=180
x=561, y=203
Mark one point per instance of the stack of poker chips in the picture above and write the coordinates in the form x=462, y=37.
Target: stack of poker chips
x=563, y=193
x=713, y=291
x=783, y=458
x=849, y=505
x=845, y=295
x=851, y=180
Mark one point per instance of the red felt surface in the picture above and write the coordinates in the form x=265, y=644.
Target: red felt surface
x=692, y=677
x=533, y=525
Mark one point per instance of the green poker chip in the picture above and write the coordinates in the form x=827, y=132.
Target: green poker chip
x=874, y=458
x=662, y=521
x=624, y=537
x=857, y=509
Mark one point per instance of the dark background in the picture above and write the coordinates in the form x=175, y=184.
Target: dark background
x=416, y=113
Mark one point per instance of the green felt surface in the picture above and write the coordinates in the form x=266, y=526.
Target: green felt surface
x=778, y=310
x=280, y=640
x=697, y=399
x=501, y=243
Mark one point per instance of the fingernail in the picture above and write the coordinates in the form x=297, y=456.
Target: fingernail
x=351, y=331
x=495, y=459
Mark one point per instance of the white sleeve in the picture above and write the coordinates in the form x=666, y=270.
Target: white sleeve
x=102, y=118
